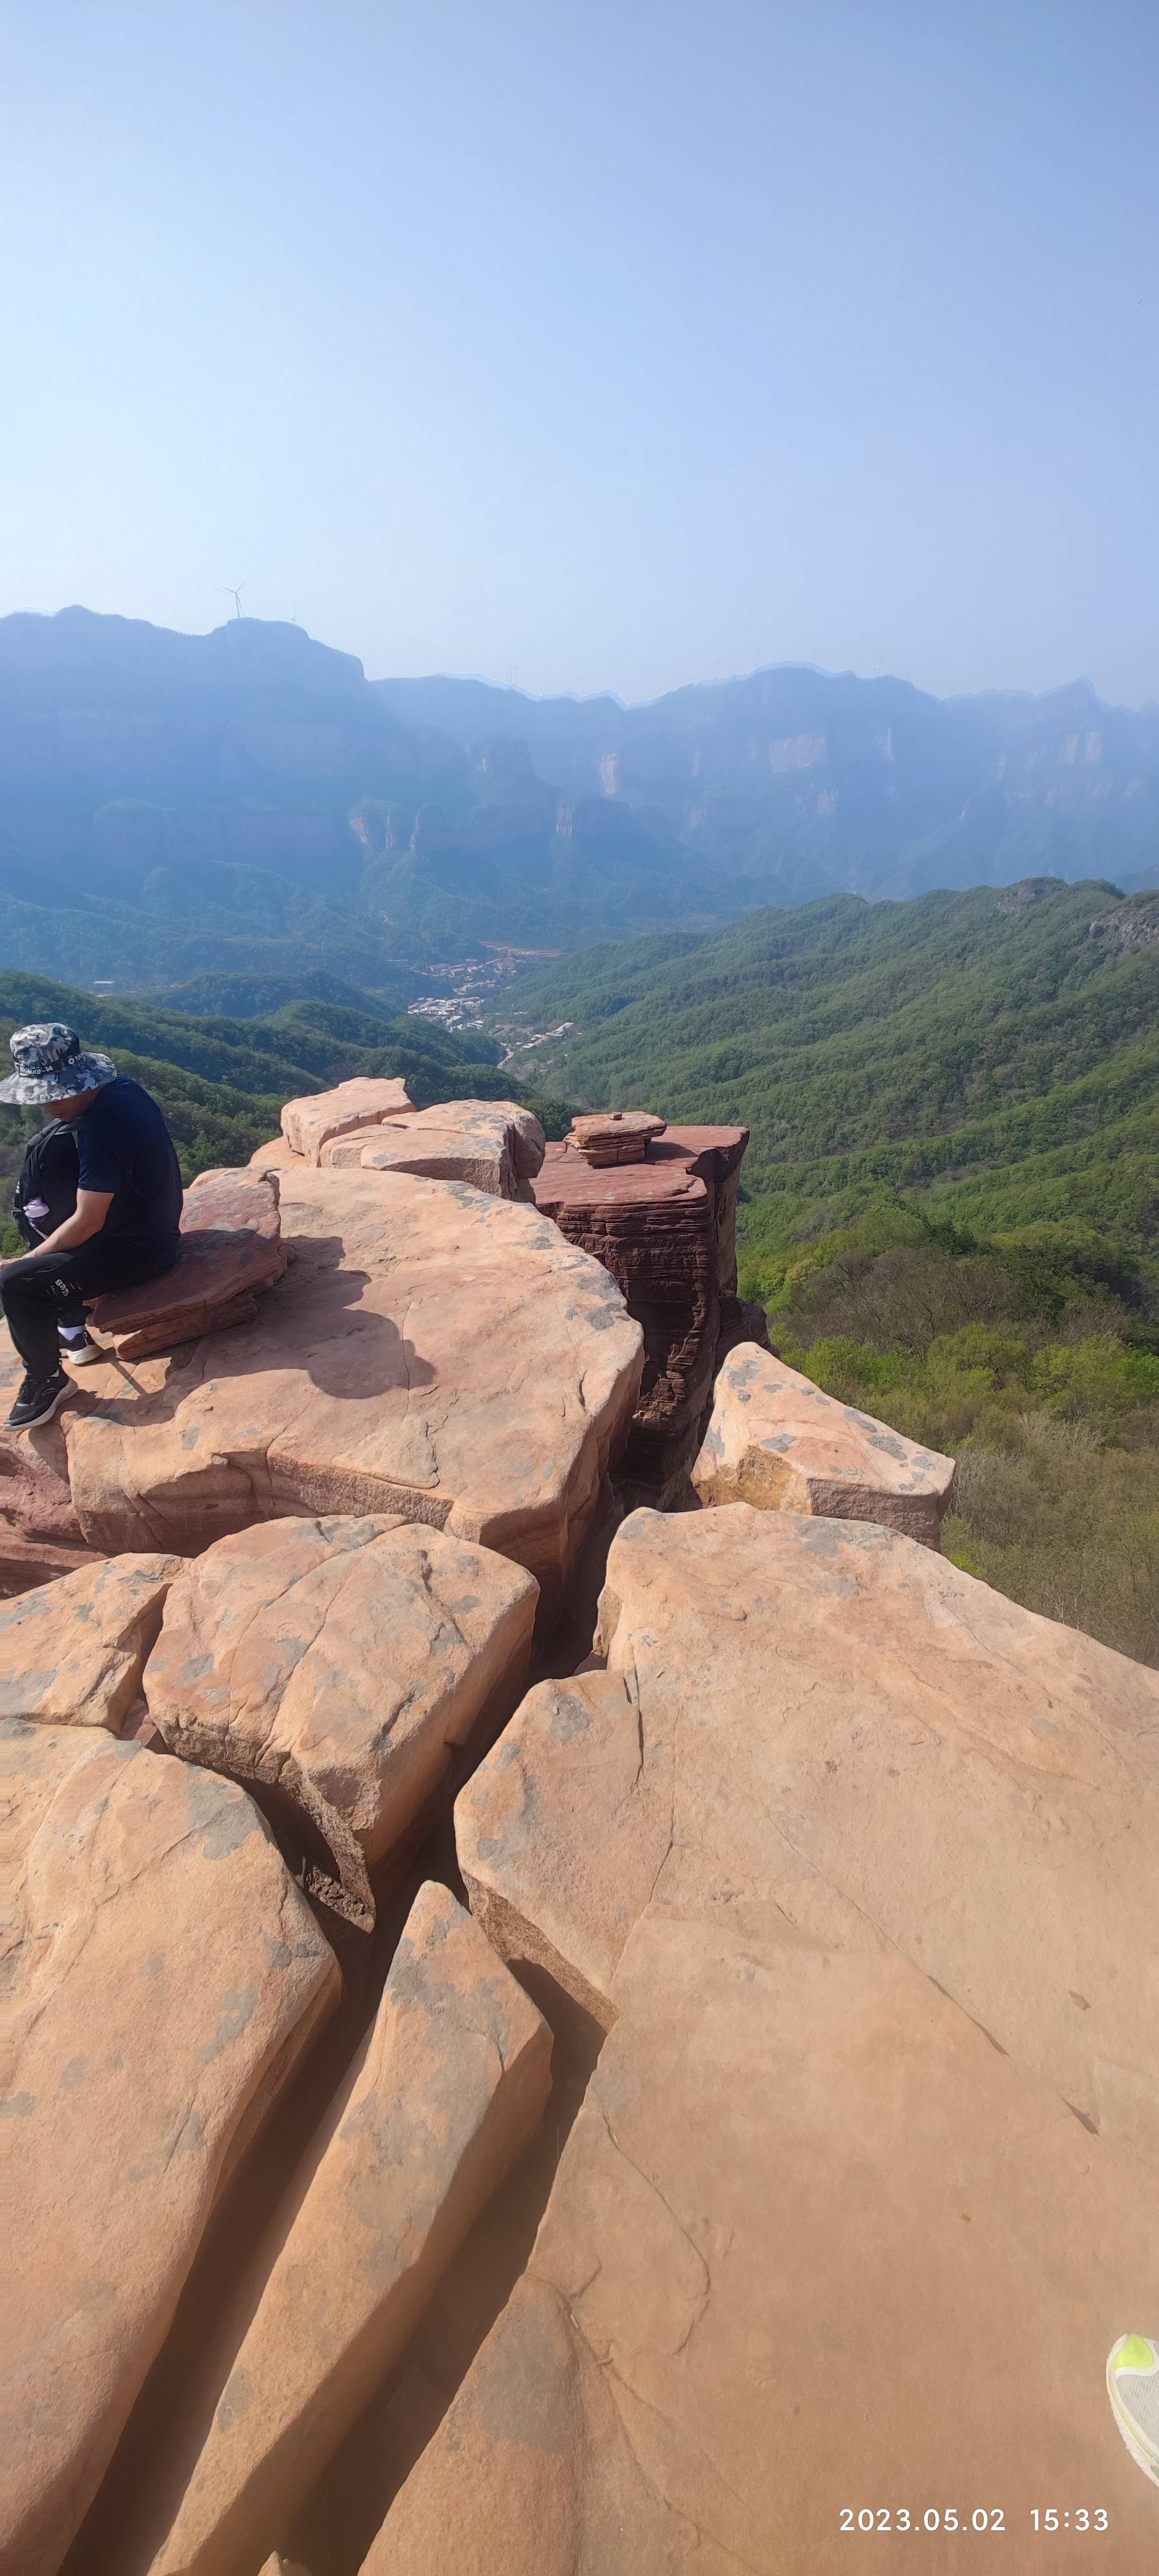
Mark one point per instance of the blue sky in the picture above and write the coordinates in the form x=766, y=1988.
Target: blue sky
x=616, y=346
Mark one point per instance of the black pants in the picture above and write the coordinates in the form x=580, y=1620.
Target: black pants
x=51, y=1288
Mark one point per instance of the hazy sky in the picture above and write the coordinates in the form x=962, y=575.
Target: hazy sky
x=619, y=345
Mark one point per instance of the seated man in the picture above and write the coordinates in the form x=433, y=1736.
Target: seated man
x=125, y=1226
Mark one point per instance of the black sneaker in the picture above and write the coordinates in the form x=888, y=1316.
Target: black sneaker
x=37, y=1404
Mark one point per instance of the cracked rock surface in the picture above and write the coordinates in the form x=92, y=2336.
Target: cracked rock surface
x=446, y=2093
x=162, y=1976
x=432, y=1352
x=865, y=2171
x=72, y=1653
x=338, y=1662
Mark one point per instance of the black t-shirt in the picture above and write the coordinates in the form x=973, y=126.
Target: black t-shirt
x=124, y=1145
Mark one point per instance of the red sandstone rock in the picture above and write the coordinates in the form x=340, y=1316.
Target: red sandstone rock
x=828, y=1845
x=40, y=1534
x=808, y=2220
x=332, y=1666
x=612, y=1136
x=433, y=1352
x=277, y=1156
x=72, y=1653
x=309, y=1124
x=450, y=2086
x=231, y=1248
x=561, y=1836
x=776, y=1441
x=163, y=1974
x=665, y=1230
x=491, y=1145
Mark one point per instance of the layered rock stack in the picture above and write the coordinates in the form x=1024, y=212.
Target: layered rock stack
x=825, y=1872
x=663, y=1222
x=613, y=1136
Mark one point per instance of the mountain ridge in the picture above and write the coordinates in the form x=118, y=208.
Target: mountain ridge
x=246, y=802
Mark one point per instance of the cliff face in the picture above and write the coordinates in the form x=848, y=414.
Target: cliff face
x=820, y=1865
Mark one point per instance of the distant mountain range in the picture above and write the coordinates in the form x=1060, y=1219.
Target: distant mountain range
x=807, y=783
x=246, y=803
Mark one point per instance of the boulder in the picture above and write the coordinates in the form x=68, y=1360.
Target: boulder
x=277, y=1156
x=827, y=1846
x=776, y=1441
x=434, y=1353
x=332, y=1666
x=491, y=1145
x=230, y=1249
x=72, y=1652
x=449, y=2088
x=609, y=1136
x=309, y=1124
x=163, y=1975
x=665, y=1229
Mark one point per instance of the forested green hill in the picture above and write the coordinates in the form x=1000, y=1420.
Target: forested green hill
x=222, y=1081
x=995, y=1054
x=952, y=1191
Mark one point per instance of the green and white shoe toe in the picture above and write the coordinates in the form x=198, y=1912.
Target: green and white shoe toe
x=1133, y=2389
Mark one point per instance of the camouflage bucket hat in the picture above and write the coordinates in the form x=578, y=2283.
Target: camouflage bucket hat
x=51, y=1064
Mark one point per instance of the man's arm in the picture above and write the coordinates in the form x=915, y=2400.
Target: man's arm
x=88, y=1216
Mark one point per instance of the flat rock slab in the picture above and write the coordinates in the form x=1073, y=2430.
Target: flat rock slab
x=491, y=1145
x=808, y=2222
x=72, y=1652
x=776, y=1441
x=335, y=1664
x=849, y=1852
x=451, y=2085
x=231, y=1248
x=163, y=1974
x=434, y=1352
x=844, y=1724
x=309, y=1124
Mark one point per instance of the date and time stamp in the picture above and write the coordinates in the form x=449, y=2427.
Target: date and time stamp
x=1043, y=2518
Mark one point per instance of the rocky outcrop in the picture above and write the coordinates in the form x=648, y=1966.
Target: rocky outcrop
x=873, y=2063
x=433, y=1352
x=163, y=1974
x=309, y=1124
x=231, y=1248
x=491, y=1145
x=72, y=1653
x=333, y=1666
x=665, y=1229
x=776, y=1441
x=447, y=2092
x=40, y=1533
x=835, y=1867
x=610, y=1136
